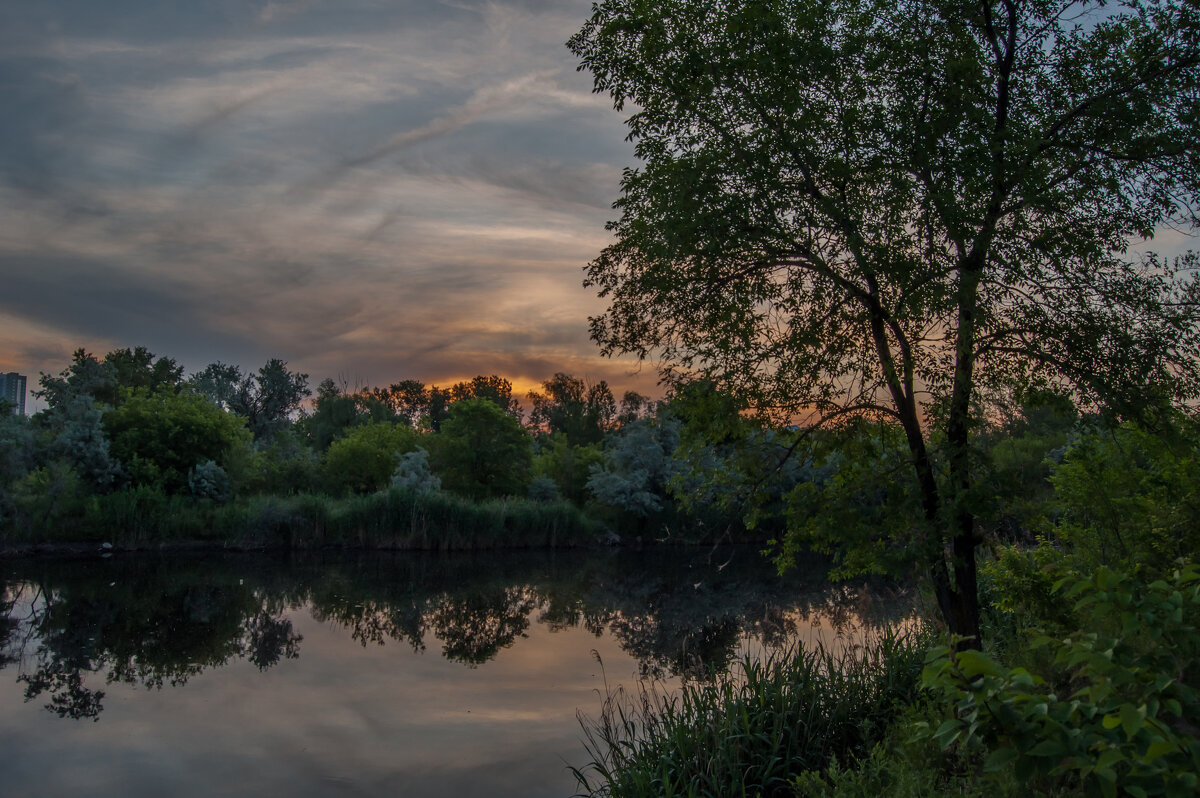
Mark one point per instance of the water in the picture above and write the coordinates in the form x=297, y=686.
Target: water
x=330, y=674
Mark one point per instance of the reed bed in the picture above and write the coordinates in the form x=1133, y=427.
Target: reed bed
x=752, y=731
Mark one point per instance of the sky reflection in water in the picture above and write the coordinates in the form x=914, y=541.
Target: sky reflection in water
x=403, y=674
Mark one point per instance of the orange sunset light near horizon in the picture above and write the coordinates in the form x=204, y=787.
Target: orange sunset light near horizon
x=384, y=192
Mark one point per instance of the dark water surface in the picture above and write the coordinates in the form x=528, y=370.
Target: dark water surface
x=335, y=674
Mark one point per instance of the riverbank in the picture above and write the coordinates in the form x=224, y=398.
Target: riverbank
x=140, y=519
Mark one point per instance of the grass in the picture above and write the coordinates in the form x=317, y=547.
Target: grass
x=393, y=519
x=753, y=731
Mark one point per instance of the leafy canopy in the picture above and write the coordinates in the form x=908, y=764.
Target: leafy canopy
x=892, y=209
x=844, y=202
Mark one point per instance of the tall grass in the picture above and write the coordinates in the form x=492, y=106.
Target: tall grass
x=754, y=730
x=393, y=519
x=403, y=519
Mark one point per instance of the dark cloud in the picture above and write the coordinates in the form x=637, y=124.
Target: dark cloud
x=402, y=189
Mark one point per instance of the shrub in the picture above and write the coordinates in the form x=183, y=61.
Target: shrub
x=364, y=459
x=1120, y=725
x=1126, y=497
x=207, y=480
x=413, y=473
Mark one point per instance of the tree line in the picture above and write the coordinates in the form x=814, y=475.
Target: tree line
x=131, y=422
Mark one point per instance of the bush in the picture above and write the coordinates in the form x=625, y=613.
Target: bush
x=207, y=480
x=1121, y=723
x=1127, y=497
x=364, y=459
x=412, y=473
x=482, y=452
x=160, y=437
x=543, y=489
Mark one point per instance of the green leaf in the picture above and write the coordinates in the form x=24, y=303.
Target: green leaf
x=999, y=759
x=1109, y=758
x=948, y=732
x=1158, y=748
x=976, y=663
x=1131, y=719
x=1052, y=748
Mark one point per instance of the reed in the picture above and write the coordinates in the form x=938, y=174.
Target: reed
x=402, y=519
x=752, y=731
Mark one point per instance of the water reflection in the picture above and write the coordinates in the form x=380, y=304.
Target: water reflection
x=71, y=627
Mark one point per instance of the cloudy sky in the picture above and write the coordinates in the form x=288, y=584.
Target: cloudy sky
x=368, y=189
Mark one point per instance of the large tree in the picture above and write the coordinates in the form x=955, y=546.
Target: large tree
x=267, y=399
x=890, y=208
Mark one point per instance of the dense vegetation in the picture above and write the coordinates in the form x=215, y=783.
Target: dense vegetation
x=131, y=452
x=917, y=227
x=1090, y=650
x=926, y=228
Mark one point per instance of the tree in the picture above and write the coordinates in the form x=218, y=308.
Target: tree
x=494, y=388
x=160, y=437
x=137, y=368
x=335, y=412
x=365, y=458
x=266, y=399
x=109, y=380
x=407, y=398
x=637, y=466
x=570, y=406
x=861, y=208
x=482, y=451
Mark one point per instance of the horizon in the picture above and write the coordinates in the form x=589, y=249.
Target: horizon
x=368, y=193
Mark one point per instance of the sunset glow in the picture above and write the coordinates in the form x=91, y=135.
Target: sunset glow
x=371, y=192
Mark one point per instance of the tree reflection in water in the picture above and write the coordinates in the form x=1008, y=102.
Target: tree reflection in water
x=155, y=621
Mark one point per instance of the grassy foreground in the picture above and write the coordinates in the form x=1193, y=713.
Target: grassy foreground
x=1086, y=686
x=756, y=729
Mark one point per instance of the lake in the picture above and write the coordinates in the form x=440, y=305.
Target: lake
x=368, y=673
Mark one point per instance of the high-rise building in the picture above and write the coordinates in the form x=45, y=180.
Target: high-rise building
x=12, y=388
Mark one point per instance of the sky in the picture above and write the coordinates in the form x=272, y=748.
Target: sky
x=371, y=190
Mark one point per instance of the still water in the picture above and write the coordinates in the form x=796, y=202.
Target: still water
x=328, y=674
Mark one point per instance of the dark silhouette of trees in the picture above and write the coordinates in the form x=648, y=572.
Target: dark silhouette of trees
x=891, y=210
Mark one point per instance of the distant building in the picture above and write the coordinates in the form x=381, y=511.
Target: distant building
x=12, y=388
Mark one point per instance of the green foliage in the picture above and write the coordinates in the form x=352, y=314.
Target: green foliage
x=854, y=209
x=364, y=459
x=568, y=466
x=637, y=467
x=138, y=370
x=207, y=480
x=16, y=457
x=140, y=515
x=403, y=519
x=1017, y=589
x=283, y=467
x=413, y=473
x=752, y=731
x=333, y=413
x=1016, y=460
x=266, y=399
x=1120, y=724
x=160, y=437
x=83, y=443
x=107, y=382
x=857, y=499
x=482, y=451
x=572, y=408
x=1127, y=497
x=543, y=489
x=494, y=388
x=44, y=501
